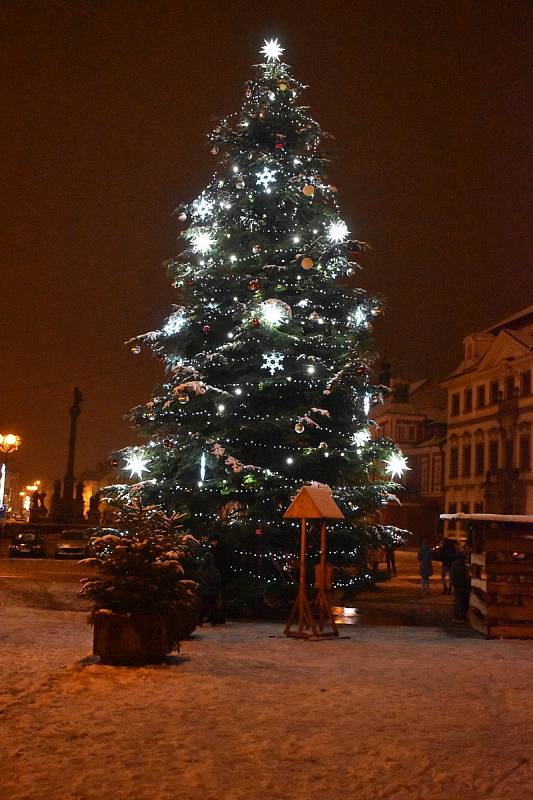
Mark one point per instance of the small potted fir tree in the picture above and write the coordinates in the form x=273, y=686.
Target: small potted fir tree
x=142, y=603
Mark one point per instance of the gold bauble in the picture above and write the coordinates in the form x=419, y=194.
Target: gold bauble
x=183, y=398
x=308, y=190
x=307, y=263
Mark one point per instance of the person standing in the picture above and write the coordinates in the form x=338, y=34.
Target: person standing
x=447, y=553
x=390, y=557
x=425, y=566
x=222, y=563
x=460, y=581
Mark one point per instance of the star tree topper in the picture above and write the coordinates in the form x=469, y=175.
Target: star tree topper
x=272, y=50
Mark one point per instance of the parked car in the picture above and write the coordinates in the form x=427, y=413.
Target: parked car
x=71, y=544
x=30, y=544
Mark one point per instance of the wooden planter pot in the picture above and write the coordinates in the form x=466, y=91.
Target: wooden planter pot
x=130, y=639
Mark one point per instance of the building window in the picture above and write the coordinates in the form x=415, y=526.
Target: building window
x=478, y=508
x=437, y=467
x=508, y=453
x=454, y=462
x=455, y=406
x=493, y=456
x=509, y=388
x=525, y=451
x=494, y=392
x=467, y=405
x=452, y=509
x=525, y=383
x=424, y=474
x=480, y=397
x=467, y=460
x=405, y=431
x=480, y=458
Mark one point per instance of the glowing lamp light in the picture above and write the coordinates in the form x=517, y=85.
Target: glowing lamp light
x=272, y=50
x=396, y=465
x=275, y=312
x=136, y=464
x=202, y=242
x=337, y=231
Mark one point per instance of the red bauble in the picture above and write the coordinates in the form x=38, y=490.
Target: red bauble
x=206, y=328
x=280, y=145
x=167, y=443
x=190, y=282
x=253, y=285
x=258, y=532
x=361, y=371
x=256, y=322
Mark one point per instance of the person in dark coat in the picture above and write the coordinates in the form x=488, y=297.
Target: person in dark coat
x=222, y=563
x=425, y=566
x=390, y=558
x=460, y=582
x=209, y=585
x=447, y=554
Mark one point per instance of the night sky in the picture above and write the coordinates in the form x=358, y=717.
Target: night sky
x=104, y=111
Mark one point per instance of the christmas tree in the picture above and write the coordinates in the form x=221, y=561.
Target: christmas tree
x=268, y=355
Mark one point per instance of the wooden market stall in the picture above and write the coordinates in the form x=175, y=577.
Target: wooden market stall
x=313, y=502
x=501, y=595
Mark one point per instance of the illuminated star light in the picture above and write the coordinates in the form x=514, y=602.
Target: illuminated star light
x=202, y=467
x=272, y=362
x=272, y=50
x=202, y=242
x=137, y=465
x=396, y=465
x=337, y=231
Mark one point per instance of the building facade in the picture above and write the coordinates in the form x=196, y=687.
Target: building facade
x=414, y=416
x=490, y=416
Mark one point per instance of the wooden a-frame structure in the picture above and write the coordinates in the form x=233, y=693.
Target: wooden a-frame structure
x=312, y=502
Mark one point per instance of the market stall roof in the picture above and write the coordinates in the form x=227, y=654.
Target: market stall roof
x=314, y=502
x=524, y=518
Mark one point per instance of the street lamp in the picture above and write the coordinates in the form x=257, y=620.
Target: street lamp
x=9, y=442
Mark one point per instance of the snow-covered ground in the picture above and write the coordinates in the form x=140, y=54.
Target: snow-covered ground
x=246, y=714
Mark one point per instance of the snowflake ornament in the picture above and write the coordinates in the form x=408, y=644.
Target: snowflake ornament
x=203, y=207
x=265, y=178
x=273, y=362
x=272, y=50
